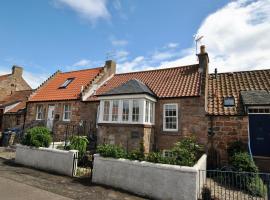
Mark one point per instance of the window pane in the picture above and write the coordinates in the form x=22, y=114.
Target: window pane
x=67, y=112
x=106, y=111
x=147, y=111
x=151, y=112
x=40, y=112
x=125, y=110
x=170, y=116
x=135, y=111
x=115, y=110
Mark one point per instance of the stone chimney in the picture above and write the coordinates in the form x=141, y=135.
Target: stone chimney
x=203, y=68
x=17, y=71
x=110, y=67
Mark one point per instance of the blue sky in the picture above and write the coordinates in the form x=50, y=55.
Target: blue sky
x=44, y=36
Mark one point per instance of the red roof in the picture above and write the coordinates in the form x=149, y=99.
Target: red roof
x=51, y=91
x=230, y=85
x=19, y=97
x=4, y=77
x=169, y=82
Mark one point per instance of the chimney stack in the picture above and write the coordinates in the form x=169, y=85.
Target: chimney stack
x=203, y=60
x=17, y=71
x=110, y=67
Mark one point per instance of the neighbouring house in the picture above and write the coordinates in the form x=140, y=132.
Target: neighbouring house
x=58, y=102
x=156, y=107
x=13, y=109
x=239, y=109
x=12, y=82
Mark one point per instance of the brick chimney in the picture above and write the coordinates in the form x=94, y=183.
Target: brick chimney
x=110, y=67
x=203, y=68
x=17, y=71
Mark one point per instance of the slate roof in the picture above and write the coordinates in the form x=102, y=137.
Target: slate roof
x=19, y=97
x=51, y=91
x=230, y=85
x=164, y=83
x=256, y=97
x=132, y=86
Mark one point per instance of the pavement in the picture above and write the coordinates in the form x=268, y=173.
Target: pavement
x=12, y=190
x=22, y=183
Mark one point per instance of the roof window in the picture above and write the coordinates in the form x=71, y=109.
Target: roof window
x=229, y=102
x=66, y=83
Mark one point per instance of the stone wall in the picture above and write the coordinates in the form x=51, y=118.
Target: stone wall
x=227, y=129
x=79, y=111
x=12, y=120
x=192, y=120
x=13, y=82
x=129, y=136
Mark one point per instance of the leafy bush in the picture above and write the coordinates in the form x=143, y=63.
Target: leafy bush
x=37, y=137
x=113, y=151
x=243, y=162
x=236, y=147
x=256, y=187
x=79, y=143
x=137, y=154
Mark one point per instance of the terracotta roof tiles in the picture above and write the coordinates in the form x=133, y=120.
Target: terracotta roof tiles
x=230, y=85
x=165, y=83
x=51, y=90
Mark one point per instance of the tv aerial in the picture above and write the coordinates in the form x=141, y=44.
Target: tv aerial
x=197, y=39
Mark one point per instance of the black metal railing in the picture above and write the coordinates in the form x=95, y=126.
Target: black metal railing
x=232, y=185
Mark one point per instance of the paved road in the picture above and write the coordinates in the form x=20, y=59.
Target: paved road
x=12, y=190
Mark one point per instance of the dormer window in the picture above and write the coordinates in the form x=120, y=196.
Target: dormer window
x=66, y=83
x=229, y=102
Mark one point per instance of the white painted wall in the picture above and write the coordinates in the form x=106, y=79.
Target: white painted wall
x=47, y=159
x=159, y=181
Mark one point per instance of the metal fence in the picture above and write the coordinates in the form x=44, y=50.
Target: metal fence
x=84, y=165
x=231, y=185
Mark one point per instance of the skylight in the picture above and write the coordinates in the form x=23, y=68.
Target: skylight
x=229, y=101
x=66, y=83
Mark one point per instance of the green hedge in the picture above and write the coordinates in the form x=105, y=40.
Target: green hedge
x=184, y=153
x=37, y=137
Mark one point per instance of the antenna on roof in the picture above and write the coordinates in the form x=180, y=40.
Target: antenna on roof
x=110, y=55
x=197, y=39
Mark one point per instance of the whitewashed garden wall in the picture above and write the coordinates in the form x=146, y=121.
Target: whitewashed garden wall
x=159, y=181
x=48, y=159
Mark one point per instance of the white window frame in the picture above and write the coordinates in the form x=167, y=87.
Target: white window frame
x=141, y=100
x=164, y=117
x=117, y=115
x=67, y=111
x=103, y=113
x=137, y=115
x=38, y=111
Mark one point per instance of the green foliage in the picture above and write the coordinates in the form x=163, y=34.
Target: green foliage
x=236, y=147
x=256, y=187
x=79, y=143
x=137, y=154
x=113, y=151
x=243, y=162
x=37, y=137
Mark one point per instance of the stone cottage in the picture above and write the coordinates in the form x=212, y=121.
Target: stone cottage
x=156, y=107
x=13, y=110
x=12, y=82
x=58, y=102
x=239, y=109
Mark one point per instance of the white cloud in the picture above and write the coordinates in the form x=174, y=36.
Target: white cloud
x=129, y=66
x=162, y=55
x=172, y=45
x=116, y=42
x=82, y=63
x=89, y=9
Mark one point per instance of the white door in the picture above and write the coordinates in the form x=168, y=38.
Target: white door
x=50, y=117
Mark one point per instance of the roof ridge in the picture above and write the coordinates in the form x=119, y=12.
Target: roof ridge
x=161, y=69
x=81, y=70
x=255, y=70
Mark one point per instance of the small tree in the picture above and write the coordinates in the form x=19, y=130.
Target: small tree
x=79, y=143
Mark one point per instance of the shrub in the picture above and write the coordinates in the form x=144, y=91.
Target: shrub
x=137, y=154
x=236, y=147
x=243, y=162
x=256, y=187
x=79, y=143
x=113, y=151
x=37, y=137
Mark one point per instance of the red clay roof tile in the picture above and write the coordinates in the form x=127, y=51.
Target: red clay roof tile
x=165, y=83
x=230, y=85
x=50, y=91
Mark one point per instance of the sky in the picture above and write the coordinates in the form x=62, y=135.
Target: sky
x=50, y=35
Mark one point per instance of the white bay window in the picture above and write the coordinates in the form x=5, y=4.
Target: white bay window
x=127, y=110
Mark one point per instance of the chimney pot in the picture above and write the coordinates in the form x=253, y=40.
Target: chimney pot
x=202, y=49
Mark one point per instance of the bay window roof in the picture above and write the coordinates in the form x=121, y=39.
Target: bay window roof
x=130, y=87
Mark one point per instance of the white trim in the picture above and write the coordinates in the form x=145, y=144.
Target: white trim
x=43, y=114
x=164, y=120
x=7, y=108
x=133, y=96
x=63, y=118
